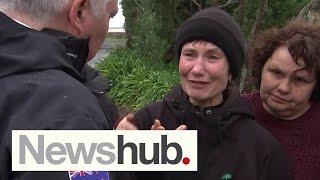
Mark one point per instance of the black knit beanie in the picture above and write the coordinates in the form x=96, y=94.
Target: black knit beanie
x=218, y=27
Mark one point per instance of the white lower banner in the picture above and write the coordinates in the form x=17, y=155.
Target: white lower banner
x=93, y=150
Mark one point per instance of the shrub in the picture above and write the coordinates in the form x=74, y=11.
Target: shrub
x=138, y=80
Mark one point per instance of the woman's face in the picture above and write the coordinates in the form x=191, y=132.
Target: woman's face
x=204, y=73
x=286, y=87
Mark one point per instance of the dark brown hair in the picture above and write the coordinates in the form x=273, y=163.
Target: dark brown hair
x=303, y=41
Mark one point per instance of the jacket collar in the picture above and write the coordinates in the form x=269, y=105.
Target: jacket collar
x=232, y=101
x=77, y=48
x=77, y=51
x=221, y=117
x=27, y=50
x=8, y=23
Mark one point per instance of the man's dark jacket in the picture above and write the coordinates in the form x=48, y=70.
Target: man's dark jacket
x=231, y=146
x=44, y=85
x=98, y=84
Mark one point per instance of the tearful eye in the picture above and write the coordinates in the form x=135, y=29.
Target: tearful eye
x=189, y=54
x=275, y=72
x=302, y=80
x=213, y=57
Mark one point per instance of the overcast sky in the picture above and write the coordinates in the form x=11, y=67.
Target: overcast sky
x=118, y=20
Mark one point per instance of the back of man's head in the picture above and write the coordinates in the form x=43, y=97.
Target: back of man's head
x=42, y=11
x=80, y=18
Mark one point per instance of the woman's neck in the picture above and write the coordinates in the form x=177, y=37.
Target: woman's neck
x=208, y=102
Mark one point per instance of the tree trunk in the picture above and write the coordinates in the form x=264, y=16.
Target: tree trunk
x=242, y=7
x=215, y=3
x=310, y=12
x=248, y=83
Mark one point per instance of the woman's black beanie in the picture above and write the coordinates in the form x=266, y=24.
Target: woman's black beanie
x=218, y=27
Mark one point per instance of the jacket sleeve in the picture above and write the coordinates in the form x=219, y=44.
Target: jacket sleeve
x=40, y=103
x=53, y=102
x=110, y=109
x=145, y=117
x=276, y=166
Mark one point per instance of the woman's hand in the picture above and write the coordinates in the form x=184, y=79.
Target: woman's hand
x=127, y=123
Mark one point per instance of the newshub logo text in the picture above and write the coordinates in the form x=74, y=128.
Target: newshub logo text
x=92, y=150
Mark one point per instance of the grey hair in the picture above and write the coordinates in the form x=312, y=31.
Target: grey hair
x=44, y=10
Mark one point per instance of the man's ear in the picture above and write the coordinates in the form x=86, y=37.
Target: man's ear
x=76, y=14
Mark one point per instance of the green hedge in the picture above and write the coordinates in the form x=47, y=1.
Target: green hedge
x=138, y=81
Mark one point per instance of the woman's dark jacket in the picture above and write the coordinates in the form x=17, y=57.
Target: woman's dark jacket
x=230, y=143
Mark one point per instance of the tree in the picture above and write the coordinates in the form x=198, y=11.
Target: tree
x=248, y=83
x=151, y=24
x=311, y=12
x=242, y=7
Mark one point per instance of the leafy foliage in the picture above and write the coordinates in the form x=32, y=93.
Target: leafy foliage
x=151, y=24
x=278, y=13
x=138, y=81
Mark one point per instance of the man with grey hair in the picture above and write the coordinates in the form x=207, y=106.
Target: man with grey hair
x=44, y=79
